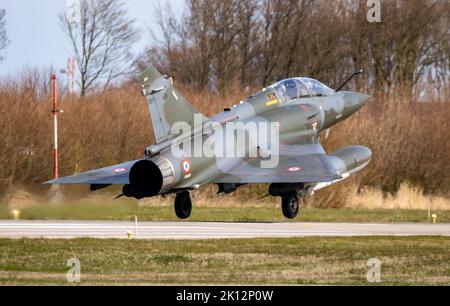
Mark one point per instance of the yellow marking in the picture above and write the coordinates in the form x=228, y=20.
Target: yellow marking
x=273, y=102
x=16, y=214
x=434, y=217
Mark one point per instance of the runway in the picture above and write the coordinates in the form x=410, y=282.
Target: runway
x=208, y=230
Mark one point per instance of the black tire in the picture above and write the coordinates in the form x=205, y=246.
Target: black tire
x=290, y=206
x=183, y=205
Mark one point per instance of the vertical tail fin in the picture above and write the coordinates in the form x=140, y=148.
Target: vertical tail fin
x=166, y=104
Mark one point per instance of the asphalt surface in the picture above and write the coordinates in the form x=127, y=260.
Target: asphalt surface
x=209, y=230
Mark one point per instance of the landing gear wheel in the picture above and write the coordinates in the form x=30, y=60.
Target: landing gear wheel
x=183, y=205
x=290, y=206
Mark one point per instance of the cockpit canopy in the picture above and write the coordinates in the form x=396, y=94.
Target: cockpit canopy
x=295, y=88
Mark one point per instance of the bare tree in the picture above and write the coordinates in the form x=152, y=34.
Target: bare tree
x=101, y=41
x=256, y=42
x=4, y=41
x=247, y=40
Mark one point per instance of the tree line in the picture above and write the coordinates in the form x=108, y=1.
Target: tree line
x=251, y=43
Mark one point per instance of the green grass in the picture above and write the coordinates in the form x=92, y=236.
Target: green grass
x=126, y=210
x=405, y=261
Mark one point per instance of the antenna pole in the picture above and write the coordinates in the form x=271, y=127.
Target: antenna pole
x=348, y=80
x=55, y=112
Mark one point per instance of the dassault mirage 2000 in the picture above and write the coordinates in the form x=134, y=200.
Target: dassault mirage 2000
x=271, y=137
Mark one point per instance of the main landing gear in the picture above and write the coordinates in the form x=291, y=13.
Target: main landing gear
x=290, y=206
x=289, y=194
x=183, y=205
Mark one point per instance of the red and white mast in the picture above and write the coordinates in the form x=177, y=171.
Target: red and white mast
x=55, y=112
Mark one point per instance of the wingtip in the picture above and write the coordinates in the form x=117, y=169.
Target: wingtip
x=53, y=182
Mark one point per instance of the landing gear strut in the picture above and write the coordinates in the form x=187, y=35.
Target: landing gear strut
x=183, y=205
x=290, y=206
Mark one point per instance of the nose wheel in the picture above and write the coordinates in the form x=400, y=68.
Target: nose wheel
x=290, y=206
x=183, y=205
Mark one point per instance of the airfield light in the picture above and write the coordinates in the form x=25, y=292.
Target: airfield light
x=434, y=216
x=16, y=214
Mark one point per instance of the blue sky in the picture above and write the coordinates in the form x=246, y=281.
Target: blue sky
x=36, y=37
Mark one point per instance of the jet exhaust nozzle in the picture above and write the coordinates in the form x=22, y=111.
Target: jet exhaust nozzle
x=150, y=177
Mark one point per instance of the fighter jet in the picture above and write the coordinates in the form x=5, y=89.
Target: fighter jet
x=285, y=150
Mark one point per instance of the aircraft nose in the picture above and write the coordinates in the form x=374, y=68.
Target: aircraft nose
x=361, y=99
x=354, y=101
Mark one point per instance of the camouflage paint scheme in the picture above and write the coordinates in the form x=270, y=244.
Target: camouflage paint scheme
x=302, y=108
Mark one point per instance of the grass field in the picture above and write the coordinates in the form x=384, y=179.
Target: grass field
x=126, y=210
x=409, y=261
x=408, y=205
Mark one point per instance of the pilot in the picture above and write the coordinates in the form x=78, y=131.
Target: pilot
x=291, y=89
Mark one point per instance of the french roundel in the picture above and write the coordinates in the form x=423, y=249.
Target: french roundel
x=186, y=166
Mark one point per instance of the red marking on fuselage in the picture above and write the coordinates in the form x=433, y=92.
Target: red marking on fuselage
x=294, y=169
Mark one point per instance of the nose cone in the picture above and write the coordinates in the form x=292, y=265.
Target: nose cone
x=353, y=102
x=360, y=99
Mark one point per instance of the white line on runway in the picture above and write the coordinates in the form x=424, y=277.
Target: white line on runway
x=209, y=230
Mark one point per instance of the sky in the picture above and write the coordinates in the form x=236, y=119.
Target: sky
x=37, y=39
